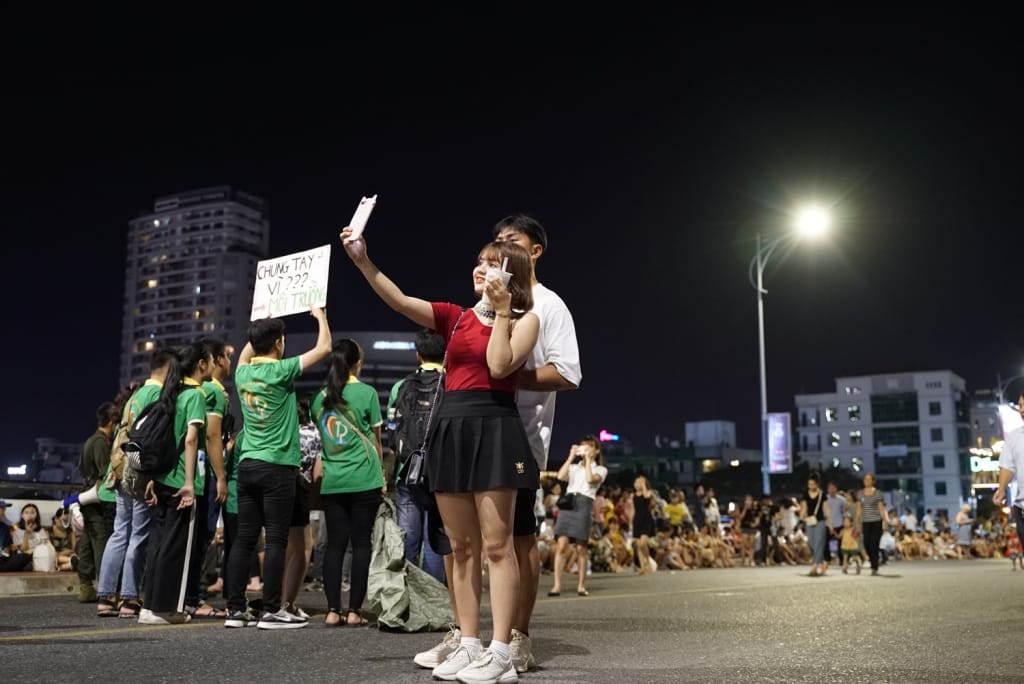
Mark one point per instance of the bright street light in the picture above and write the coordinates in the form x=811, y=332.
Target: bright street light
x=811, y=221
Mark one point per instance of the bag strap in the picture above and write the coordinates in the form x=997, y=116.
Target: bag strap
x=366, y=440
x=437, y=390
x=818, y=507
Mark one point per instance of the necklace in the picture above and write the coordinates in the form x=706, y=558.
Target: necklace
x=484, y=312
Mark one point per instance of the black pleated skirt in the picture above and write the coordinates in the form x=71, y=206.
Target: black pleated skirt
x=478, y=443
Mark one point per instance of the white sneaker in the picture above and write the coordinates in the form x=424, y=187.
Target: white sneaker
x=522, y=652
x=456, y=661
x=435, y=656
x=295, y=610
x=148, y=617
x=282, y=619
x=488, y=668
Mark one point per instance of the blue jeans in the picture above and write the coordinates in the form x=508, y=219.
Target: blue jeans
x=816, y=538
x=266, y=493
x=125, y=553
x=412, y=518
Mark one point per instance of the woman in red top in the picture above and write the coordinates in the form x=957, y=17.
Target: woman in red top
x=478, y=451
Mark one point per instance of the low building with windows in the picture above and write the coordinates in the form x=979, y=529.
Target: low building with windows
x=912, y=430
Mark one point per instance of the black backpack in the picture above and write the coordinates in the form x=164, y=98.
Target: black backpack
x=413, y=404
x=151, y=448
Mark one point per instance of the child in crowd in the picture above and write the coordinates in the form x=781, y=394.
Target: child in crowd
x=1013, y=550
x=849, y=546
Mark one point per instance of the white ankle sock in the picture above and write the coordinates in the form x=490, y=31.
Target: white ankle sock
x=473, y=645
x=501, y=649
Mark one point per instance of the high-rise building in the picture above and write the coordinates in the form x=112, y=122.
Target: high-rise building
x=189, y=271
x=912, y=430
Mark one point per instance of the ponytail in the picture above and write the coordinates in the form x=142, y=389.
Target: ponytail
x=345, y=356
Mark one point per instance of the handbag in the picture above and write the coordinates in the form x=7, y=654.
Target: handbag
x=812, y=520
x=415, y=468
x=566, y=502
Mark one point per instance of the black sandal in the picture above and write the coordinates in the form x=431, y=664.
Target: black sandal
x=339, y=623
x=106, y=606
x=363, y=622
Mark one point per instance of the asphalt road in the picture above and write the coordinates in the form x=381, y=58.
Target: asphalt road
x=920, y=621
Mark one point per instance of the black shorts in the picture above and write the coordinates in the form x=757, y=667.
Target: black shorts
x=300, y=508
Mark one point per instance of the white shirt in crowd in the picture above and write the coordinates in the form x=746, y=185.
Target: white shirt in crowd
x=578, y=480
x=1012, y=458
x=556, y=344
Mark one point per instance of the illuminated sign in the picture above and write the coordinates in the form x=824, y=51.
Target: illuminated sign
x=984, y=464
x=780, y=449
x=17, y=470
x=390, y=344
x=606, y=436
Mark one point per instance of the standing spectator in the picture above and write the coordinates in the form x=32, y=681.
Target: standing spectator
x=749, y=518
x=12, y=558
x=964, y=530
x=697, y=505
x=584, y=473
x=553, y=366
x=816, y=517
x=421, y=523
x=837, y=511
x=1011, y=465
x=270, y=457
x=713, y=515
x=173, y=494
x=347, y=413
x=870, y=514
x=479, y=453
x=124, y=556
x=909, y=520
x=97, y=518
x=642, y=522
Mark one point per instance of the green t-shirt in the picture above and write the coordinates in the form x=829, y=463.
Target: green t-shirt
x=190, y=408
x=350, y=459
x=266, y=391
x=231, y=467
x=216, y=405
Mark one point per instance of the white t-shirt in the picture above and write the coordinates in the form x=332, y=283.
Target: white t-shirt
x=1012, y=458
x=578, y=480
x=556, y=344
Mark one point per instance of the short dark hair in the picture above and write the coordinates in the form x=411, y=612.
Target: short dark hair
x=104, y=413
x=161, y=357
x=263, y=332
x=430, y=346
x=216, y=345
x=527, y=225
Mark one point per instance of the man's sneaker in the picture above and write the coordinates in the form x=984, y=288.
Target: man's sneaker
x=295, y=610
x=148, y=617
x=457, y=660
x=435, y=656
x=282, y=619
x=240, y=618
x=489, y=667
x=522, y=652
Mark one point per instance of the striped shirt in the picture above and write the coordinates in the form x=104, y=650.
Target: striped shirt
x=870, y=506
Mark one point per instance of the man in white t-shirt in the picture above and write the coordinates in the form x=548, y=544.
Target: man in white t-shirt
x=553, y=366
x=1011, y=466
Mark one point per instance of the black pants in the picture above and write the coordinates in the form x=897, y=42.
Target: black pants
x=97, y=526
x=168, y=553
x=349, y=517
x=230, y=535
x=266, y=493
x=16, y=562
x=872, y=538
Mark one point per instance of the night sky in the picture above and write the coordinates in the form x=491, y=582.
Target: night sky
x=653, y=148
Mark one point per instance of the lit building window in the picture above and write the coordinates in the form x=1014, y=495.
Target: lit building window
x=857, y=464
x=836, y=463
x=833, y=439
x=856, y=437
x=853, y=413
x=152, y=282
x=148, y=346
x=831, y=414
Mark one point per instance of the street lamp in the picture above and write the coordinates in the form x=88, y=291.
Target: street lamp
x=811, y=221
x=1003, y=385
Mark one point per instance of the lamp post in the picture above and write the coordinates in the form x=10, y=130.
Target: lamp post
x=1003, y=385
x=811, y=221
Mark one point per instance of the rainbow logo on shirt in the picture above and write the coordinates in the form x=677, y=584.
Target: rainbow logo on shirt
x=334, y=429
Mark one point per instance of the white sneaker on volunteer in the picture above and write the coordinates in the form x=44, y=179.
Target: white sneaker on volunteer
x=435, y=656
x=457, y=660
x=488, y=668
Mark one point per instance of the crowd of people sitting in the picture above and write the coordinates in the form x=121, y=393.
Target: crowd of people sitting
x=691, y=533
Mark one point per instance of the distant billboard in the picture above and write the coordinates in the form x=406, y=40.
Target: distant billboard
x=780, y=446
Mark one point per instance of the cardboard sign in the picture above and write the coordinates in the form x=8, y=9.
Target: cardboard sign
x=291, y=284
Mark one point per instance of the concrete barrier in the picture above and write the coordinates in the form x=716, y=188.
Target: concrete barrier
x=36, y=583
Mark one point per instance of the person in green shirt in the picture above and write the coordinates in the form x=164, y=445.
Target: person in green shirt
x=265, y=382
x=173, y=494
x=347, y=413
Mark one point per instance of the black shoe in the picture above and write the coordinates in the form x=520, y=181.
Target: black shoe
x=240, y=618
